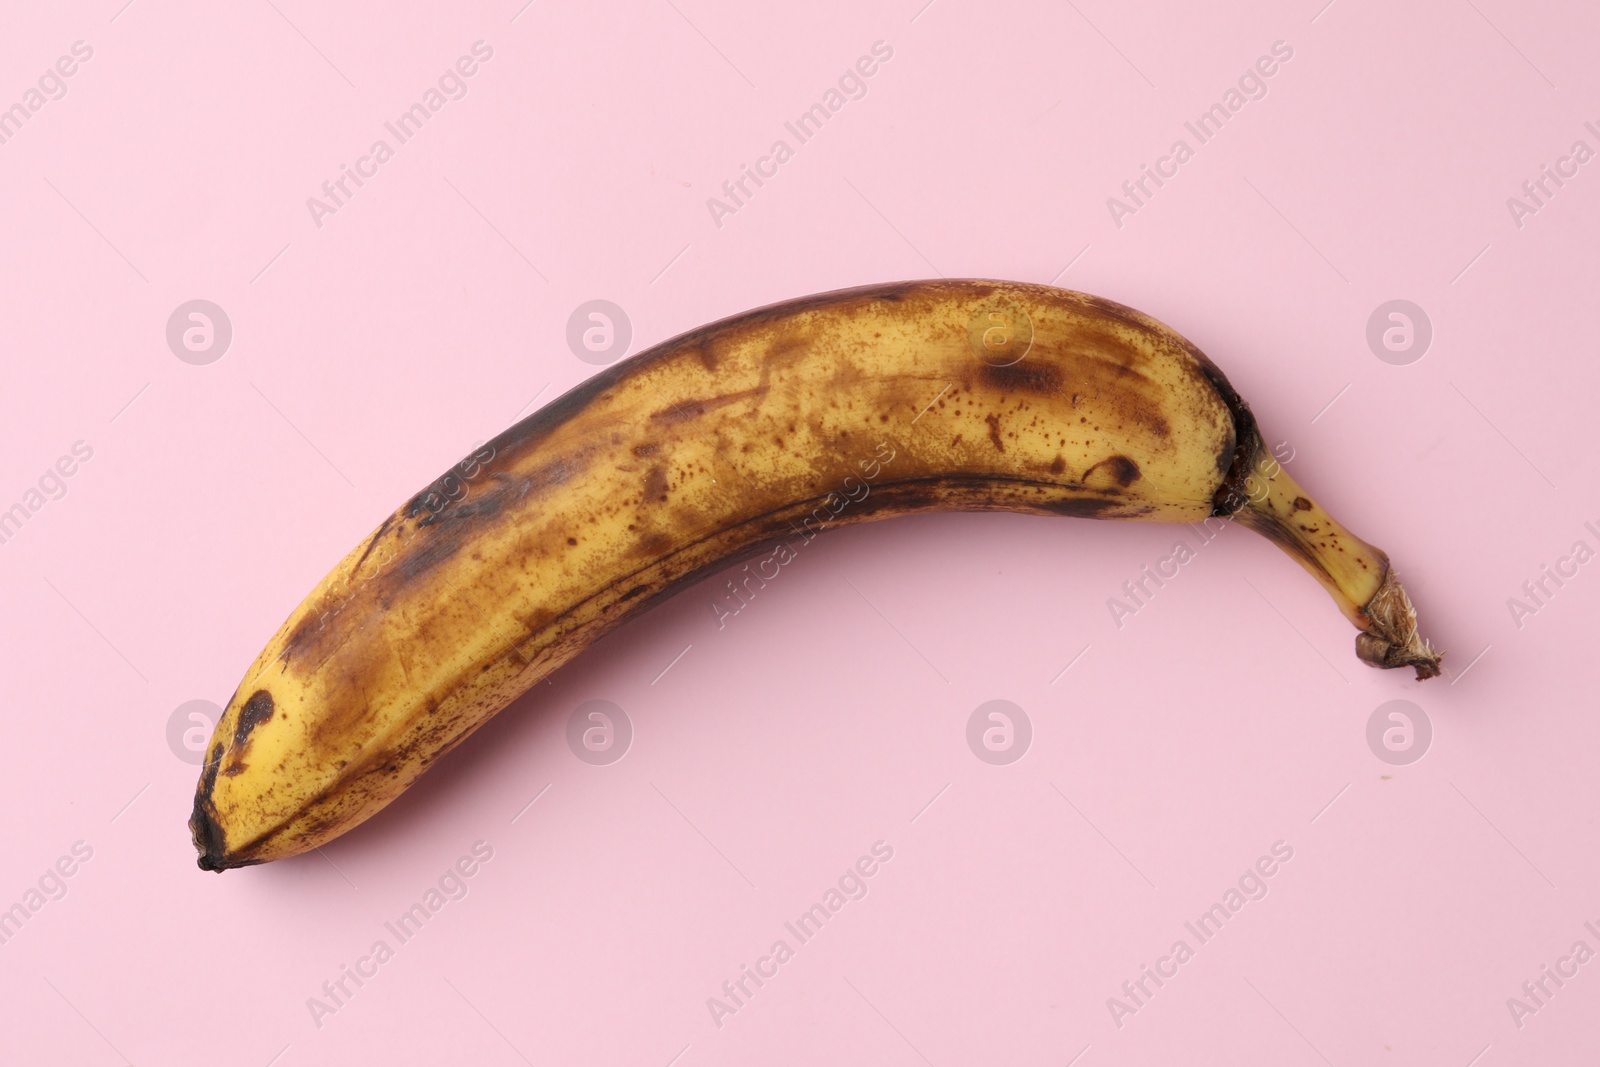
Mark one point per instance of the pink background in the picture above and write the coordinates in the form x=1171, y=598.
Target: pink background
x=370, y=353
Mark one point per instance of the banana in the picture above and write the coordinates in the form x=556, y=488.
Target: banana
x=727, y=441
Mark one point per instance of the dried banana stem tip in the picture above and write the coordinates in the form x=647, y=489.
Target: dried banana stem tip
x=1391, y=638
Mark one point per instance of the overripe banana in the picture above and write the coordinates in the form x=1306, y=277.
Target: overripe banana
x=727, y=441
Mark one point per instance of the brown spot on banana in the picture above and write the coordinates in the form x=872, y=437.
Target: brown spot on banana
x=1119, y=469
x=1026, y=376
x=708, y=355
x=993, y=421
x=763, y=428
x=257, y=710
x=655, y=485
x=692, y=410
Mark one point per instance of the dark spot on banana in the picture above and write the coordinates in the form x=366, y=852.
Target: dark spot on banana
x=1059, y=465
x=679, y=413
x=1124, y=470
x=1081, y=507
x=655, y=484
x=649, y=448
x=694, y=409
x=994, y=431
x=203, y=828
x=905, y=496
x=1026, y=375
x=1302, y=504
x=213, y=765
x=372, y=543
x=656, y=544
x=426, y=557
x=257, y=710
x=207, y=836
x=1236, y=462
x=787, y=348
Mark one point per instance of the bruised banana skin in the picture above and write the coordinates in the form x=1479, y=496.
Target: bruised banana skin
x=724, y=442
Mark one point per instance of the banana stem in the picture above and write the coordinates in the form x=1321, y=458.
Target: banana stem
x=1358, y=575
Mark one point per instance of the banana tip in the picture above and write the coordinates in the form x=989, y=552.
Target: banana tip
x=1391, y=638
x=208, y=839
